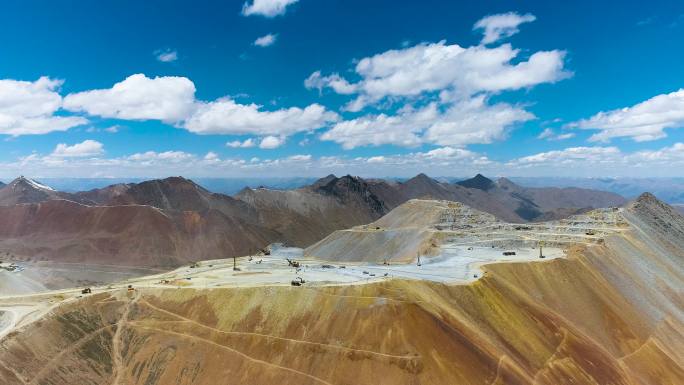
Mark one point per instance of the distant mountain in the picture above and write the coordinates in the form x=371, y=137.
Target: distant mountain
x=130, y=235
x=125, y=223
x=478, y=182
x=372, y=198
x=174, y=193
x=679, y=207
x=228, y=186
x=305, y=215
x=25, y=190
x=670, y=190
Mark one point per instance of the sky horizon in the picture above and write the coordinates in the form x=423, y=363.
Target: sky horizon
x=287, y=88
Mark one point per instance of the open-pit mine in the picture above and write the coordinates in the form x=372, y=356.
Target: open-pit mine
x=434, y=292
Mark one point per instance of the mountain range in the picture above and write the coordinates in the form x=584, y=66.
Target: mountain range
x=168, y=222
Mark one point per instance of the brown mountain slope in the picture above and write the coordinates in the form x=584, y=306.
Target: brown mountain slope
x=173, y=193
x=544, y=203
x=608, y=314
x=130, y=235
x=304, y=216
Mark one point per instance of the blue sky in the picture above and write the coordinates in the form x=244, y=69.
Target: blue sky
x=375, y=88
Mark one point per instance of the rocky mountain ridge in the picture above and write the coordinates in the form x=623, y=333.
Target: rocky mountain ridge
x=191, y=223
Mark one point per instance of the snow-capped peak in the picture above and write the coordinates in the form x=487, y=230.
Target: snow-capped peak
x=35, y=184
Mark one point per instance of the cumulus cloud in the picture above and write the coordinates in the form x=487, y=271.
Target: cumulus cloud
x=474, y=121
x=225, y=116
x=467, y=122
x=86, y=148
x=403, y=129
x=172, y=100
x=642, y=122
x=501, y=26
x=166, y=56
x=266, y=40
x=266, y=8
x=270, y=142
x=247, y=143
x=168, y=98
x=28, y=108
x=454, y=85
x=430, y=67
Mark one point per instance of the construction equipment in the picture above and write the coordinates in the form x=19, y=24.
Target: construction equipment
x=86, y=291
x=130, y=288
x=541, y=245
x=299, y=281
x=292, y=262
x=508, y=253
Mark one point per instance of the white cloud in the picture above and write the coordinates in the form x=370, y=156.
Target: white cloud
x=550, y=134
x=402, y=129
x=461, y=72
x=266, y=40
x=212, y=157
x=571, y=155
x=642, y=122
x=267, y=8
x=501, y=26
x=168, y=98
x=225, y=116
x=453, y=84
x=247, y=143
x=546, y=134
x=270, y=142
x=467, y=122
x=300, y=158
x=172, y=100
x=376, y=159
x=166, y=156
x=449, y=153
x=166, y=56
x=474, y=121
x=601, y=161
x=27, y=108
x=334, y=81
x=567, y=135
x=86, y=148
